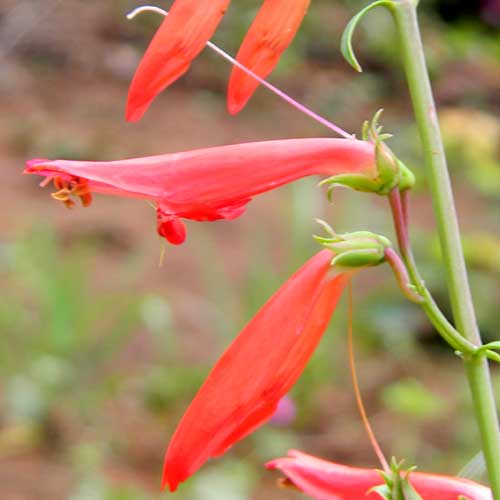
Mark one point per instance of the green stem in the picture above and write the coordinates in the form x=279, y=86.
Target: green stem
x=405, y=16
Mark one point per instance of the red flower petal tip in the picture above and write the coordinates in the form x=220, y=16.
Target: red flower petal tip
x=269, y=36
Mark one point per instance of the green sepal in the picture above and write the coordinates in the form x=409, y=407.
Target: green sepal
x=346, y=42
x=354, y=250
x=358, y=258
x=397, y=484
x=387, y=166
x=358, y=182
x=391, y=170
x=407, y=177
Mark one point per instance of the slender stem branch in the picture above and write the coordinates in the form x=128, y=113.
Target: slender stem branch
x=405, y=16
x=438, y=319
x=400, y=271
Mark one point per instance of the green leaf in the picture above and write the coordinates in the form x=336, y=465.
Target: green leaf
x=346, y=42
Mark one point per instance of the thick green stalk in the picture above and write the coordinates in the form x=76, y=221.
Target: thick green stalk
x=405, y=15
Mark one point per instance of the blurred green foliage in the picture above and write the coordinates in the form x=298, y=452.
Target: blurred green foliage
x=410, y=398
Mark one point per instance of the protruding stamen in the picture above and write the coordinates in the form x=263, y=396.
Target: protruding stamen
x=286, y=483
x=265, y=83
x=68, y=188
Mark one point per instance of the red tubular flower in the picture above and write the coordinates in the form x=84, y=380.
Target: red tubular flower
x=270, y=34
x=206, y=184
x=329, y=481
x=244, y=388
x=180, y=38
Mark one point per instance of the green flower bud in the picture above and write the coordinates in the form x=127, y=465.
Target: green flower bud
x=354, y=250
x=358, y=258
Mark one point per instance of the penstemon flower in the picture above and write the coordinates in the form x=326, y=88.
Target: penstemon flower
x=186, y=30
x=207, y=184
x=244, y=388
x=325, y=480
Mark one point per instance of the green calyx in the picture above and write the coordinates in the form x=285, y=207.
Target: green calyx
x=393, y=173
x=397, y=485
x=390, y=171
x=354, y=250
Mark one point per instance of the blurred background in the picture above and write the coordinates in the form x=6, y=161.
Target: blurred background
x=101, y=349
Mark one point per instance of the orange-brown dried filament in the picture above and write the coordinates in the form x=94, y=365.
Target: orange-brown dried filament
x=285, y=482
x=72, y=187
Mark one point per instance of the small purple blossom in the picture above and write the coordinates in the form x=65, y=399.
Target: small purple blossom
x=285, y=413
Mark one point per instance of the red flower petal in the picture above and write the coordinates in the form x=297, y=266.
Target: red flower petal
x=270, y=34
x=180, y=38
x=244, y=388
x=330, y=481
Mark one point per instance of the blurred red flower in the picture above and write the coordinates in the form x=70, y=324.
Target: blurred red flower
x=269, y=36
x=206, y=184
x=184, y=33
x=180, y=38
x=245, y=386
x=330, y=481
